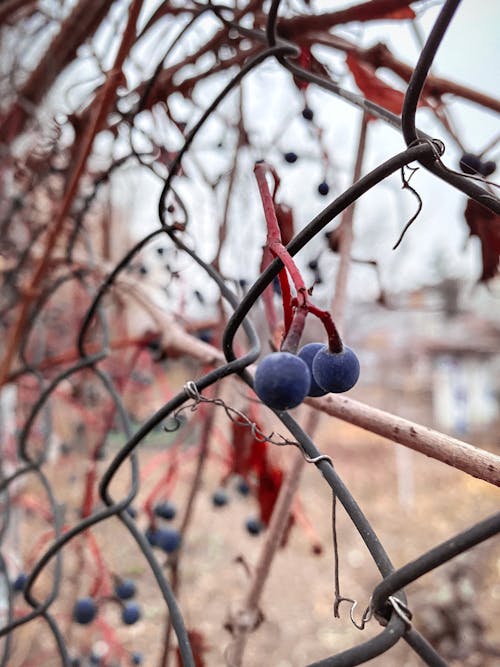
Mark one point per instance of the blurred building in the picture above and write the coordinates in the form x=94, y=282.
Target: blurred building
x=432, y=356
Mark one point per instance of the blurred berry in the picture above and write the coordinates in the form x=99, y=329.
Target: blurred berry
x=323, y=188
x=307, y=113
x=254, y=526
x=220, y=498
x=470, y=163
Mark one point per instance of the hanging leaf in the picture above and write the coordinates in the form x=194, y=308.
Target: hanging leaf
x=248, y=451
x=485, y=224
x=199, y=647
x=270, y=480
x=373, y=88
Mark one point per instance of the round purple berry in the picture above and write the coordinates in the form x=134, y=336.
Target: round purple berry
x=19, y=583
x=220, y=498
x=335, y=371
x=243, y=487
x=487, y=168
x=470, y=163
x=131, y=613
x=168, y=539
x=307, y=354
x=290, y=157
x=125, y=589
x=307, y=113
x=282, y=380
x=254, y=526
x=84, y=611
x=165, y=510
x=323, y=188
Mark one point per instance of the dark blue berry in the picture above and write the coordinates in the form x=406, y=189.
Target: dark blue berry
x=136, y=658
x=165, y=510
x=125, y=589
x=84, y=611
x=276, y=286
x=94, y=659
x=470, y=163
x=220, y=498
x=307, y=353
x=290, y=157
x=19, y=582
x=254, y=526
x=205, y=335
x=131, y=613
x=151, y=535
x=282, y=380
x=167, y=539
x=307, y=113
x=323, y=188
x=487, y=168
x=243, y=487
x=335, y=371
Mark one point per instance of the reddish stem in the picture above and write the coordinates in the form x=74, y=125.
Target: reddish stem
x=159, y=488
x=102, y=581
x=292, y=338
x=294, y=322
x=334, y=341
x=267, y=294
x=88, y=496
x=286, y=295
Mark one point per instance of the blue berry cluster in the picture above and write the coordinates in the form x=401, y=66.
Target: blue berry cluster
x=283, y=380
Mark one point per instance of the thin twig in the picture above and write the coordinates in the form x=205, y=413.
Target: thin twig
x=460, y=455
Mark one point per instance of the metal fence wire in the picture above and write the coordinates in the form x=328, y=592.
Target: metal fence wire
x=388, y=603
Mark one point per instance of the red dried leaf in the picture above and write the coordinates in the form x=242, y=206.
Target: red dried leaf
x=485, y=224
x=373, y=88
x=366, y=11
x=199, y=647
x=397, y=14
x=284, y=216
x=270, y=480
x=305, y=63
x=248, y=452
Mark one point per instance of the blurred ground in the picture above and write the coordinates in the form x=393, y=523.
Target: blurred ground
x=298, y=626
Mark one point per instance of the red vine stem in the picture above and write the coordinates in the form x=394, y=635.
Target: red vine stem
x=294, y=321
